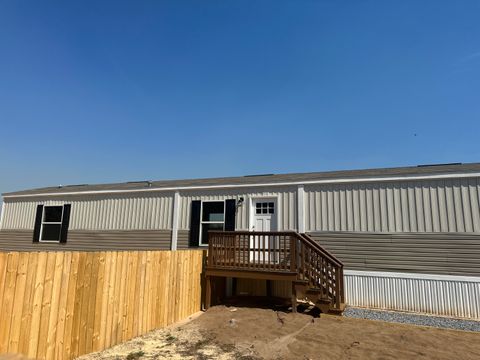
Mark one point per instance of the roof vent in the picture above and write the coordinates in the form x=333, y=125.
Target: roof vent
x=446, y=164
x=146, y=182
x=255, y=175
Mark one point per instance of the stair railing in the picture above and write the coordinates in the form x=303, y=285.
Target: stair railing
x=282, y=252
x=320, y=269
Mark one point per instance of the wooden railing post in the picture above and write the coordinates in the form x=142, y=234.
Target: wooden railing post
x=342, y=286
x=337, y=288
x=293, y=253
x=211, y=238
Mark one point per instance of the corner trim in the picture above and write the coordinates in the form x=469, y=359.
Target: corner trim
x=176, y=209
x=301, y=208
x=2, y=215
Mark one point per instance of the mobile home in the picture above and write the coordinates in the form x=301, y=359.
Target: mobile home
x=408, y=238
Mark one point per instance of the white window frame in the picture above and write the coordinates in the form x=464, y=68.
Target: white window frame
x=200, y=240
x=268, y=202
x=51, y=223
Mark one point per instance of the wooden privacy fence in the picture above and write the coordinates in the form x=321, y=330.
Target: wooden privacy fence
x=59, y=305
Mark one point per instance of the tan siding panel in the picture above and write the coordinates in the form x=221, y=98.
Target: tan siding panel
x=287, y=205
x=395, y=207
x=121, y=212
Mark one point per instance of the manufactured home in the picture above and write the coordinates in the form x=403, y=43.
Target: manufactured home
x=399, y=238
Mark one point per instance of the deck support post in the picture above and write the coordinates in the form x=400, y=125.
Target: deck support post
x=269, y=288
x=294, y=297
x=208, y=292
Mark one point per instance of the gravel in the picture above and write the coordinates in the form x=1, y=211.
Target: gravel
x=414, y=319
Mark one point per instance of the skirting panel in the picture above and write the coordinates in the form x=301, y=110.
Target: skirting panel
x=455, y=296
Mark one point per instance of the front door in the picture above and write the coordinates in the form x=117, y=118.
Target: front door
x=264, y=219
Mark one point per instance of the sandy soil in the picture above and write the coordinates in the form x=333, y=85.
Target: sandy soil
x=250, y=333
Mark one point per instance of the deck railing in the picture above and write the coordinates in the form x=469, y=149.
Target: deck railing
x=283, y=252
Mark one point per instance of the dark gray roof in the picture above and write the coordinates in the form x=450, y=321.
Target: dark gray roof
x=261, y=179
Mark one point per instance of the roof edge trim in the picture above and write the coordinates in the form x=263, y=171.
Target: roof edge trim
x=230, y=186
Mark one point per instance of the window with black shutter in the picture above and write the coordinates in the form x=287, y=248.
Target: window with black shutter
x=52, y=222
x=210, y=216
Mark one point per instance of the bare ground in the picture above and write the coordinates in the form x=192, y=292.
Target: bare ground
x=251, y=333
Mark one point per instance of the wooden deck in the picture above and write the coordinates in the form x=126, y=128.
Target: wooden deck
x=315, y=273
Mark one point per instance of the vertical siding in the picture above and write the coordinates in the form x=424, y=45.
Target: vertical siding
x=448, y=296
x=121, y=212
x=409, y=206
x=286, y=205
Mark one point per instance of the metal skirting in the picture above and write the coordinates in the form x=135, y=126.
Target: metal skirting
x=455, y=296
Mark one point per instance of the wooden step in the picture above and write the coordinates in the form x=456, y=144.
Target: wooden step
x=314, y=290
x=300, y=282
x=335, y=311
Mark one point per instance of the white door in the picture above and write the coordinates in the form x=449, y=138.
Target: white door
x=264, y=219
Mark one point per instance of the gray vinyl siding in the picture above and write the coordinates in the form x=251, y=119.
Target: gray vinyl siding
x=119, y=212
x=183, y=237
x=440, y=206
x=286, y=205
x=21, y=240
x=183, y=240
x=447, y=254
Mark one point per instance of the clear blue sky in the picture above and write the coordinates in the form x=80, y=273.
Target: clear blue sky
x=103, y=91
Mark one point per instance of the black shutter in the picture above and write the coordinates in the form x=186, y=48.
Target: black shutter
x=38, y=223
x=230, y=210
x=65, y=223
x=195, y=223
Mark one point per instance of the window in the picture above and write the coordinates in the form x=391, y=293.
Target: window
x=212, y=218
x=210, y=215
x=51, y=223
x=265, y=208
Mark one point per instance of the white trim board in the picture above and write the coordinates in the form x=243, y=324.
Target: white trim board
x=301, y=209
x=420, y=276
x=175, y=216
x=2, y=215
x=233, y=186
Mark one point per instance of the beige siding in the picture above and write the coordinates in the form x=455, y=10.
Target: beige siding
x=287, y=205
x=21, y=240
x=120, y=212
x=447, y=254
x=395, y=207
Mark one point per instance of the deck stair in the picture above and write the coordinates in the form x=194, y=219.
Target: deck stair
x=316, y=274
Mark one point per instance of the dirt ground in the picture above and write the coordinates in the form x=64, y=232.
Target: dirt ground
x=252, y=333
